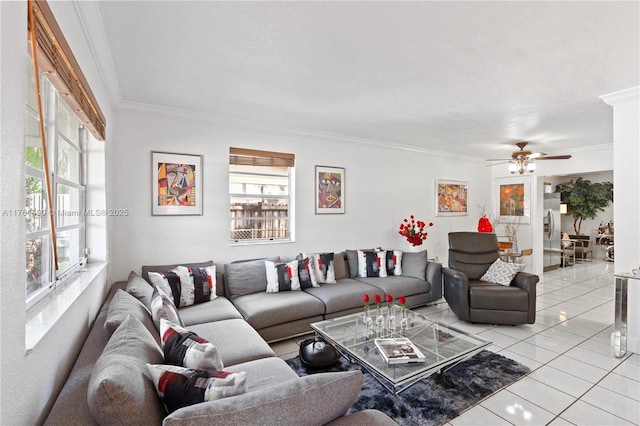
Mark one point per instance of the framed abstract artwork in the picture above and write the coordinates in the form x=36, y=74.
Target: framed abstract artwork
x=176, y=181
x=451, y=198
x=513, y=198
x=329, y=190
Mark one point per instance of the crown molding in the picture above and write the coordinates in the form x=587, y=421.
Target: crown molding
x=622, y=96
x=241, y=124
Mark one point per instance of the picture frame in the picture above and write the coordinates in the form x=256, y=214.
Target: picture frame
x=512, y=199
x=451, y=198
x=329, y=190
x=176, y=181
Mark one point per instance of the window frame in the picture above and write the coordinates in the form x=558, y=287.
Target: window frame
x=53, y=137
x=244, y=159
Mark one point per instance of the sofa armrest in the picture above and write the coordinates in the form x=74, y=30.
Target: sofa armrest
x=433, y=276
x=456, y=292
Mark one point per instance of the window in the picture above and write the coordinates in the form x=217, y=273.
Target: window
x=64, y=138
x=260, y=185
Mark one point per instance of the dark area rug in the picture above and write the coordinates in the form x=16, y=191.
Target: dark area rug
x=437, y=398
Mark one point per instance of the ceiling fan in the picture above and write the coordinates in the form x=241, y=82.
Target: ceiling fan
x=524, y=160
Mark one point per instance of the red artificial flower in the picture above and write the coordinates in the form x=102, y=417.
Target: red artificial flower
x=402, y=300
x=366, y=299
x=389, y=298
x=414, y=231
x=378, y=300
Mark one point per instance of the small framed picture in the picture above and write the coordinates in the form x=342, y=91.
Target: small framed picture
x=451, y=197
x=329, y=190
x=176, y=181
x=513, y=198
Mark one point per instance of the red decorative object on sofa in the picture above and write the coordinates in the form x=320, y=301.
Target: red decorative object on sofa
x=484, y=225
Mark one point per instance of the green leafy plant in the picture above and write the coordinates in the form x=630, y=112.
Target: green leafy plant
x=584, y=199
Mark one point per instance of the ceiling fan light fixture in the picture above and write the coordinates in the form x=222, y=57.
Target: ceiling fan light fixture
x=531, y=166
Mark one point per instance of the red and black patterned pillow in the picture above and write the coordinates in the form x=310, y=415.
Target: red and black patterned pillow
x=282, y=276
x=187, y=286
x=394, y=262
x=162, y=307
x=186, y=349
x=179, y=387
x=306, y=272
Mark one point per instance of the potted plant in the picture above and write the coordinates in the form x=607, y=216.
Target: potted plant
x=584, y=199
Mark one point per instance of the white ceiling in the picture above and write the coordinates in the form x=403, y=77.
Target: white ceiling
x=468, y=78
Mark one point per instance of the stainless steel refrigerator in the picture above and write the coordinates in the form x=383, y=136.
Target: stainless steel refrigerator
x=552, y=251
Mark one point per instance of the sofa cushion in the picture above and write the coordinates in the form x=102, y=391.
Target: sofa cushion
x=122, y=305
x=398, y=286
x=314, y=399
x=180, y=387
x=352, y=262
x=235, y=339
x=340, y=266
x=186, y=349
x=263, y=310
x=348, y=294
x=246, y=277
x=502, y=272
x=264, y=373
x=162, y=307
x=119, y=392
x=282, y=276
x=414, y=264
x=140, y=288
x=215, y=310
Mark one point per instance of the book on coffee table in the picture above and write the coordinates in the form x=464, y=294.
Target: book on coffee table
x=399, y=350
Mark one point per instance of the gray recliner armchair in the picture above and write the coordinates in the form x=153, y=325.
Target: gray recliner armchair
x=470, y=256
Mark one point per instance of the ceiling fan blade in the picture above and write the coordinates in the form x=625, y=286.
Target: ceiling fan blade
x=498, y=159
x=536, y=155
x=554, y=157
x=495, y=164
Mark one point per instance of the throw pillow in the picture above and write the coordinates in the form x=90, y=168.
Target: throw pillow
x=140, y=288
x=374, y=262
x=306, y=272
x=162, y=307
x=502, y=272
x=282, y=276
x=340, y=266
x=246, y=277
x=352, y=261
x=415, y=264
x=179, y=387
x=119, y=391
x=204, y=284
x=175, y=283
x=186, y=349
x=121, y=306
x=323, y=266
x=394, y=262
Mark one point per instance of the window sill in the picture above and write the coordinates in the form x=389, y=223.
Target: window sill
x=43, y=316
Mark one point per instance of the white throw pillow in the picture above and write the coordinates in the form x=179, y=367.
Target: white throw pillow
x=282, y=276
x=502, y=272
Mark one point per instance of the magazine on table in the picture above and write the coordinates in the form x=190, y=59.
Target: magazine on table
x=399, y=350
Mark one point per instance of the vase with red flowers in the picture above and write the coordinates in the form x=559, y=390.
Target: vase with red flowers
x=404, y=322
x=379, y=316
x=391, y=315
x=367, y=318
x=414, y=230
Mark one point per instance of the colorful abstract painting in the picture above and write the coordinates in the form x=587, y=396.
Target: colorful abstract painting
x=329, y=189
x=451, y=198
x=177, y=184
x=513, y=199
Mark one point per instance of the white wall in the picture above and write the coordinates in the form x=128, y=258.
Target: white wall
x=626, y=187
x=382, y=187
x=32, y=379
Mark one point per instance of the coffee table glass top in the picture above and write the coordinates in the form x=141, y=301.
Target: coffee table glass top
x=441, y=345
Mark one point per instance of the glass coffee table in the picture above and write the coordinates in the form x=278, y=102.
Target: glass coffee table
x=443, y=347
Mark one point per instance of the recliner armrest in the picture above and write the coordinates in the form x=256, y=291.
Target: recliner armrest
x=456, y=292
x=526, y=281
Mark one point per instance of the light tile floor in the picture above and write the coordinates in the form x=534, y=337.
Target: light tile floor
x=574, y=379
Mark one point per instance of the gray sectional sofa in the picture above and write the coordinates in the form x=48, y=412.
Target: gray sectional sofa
x=108, y=384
